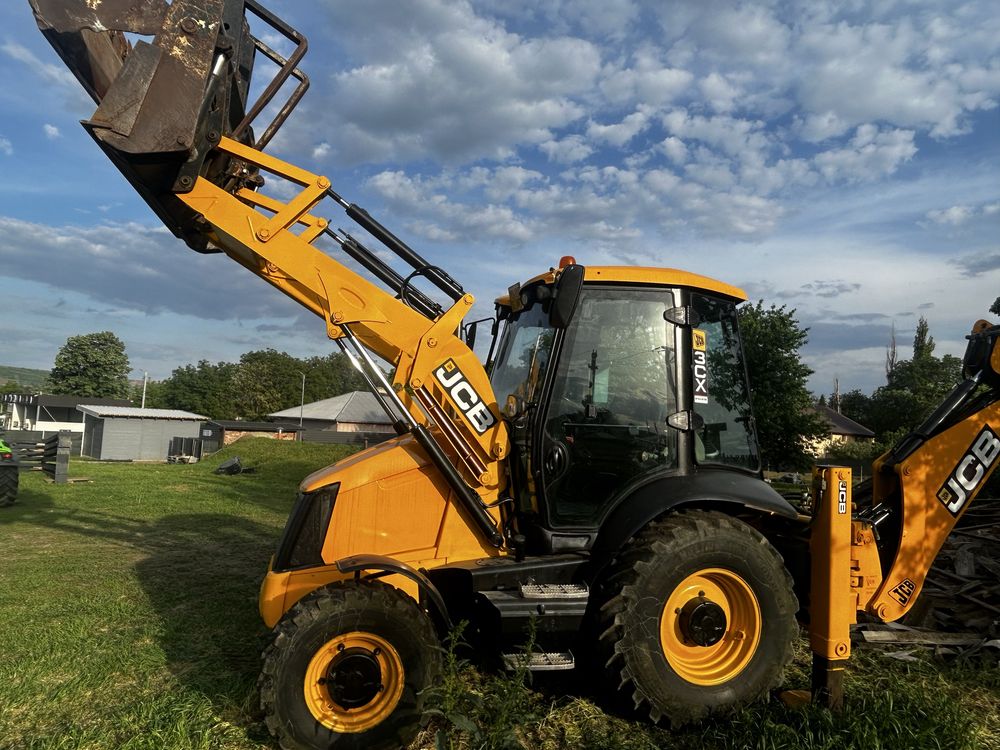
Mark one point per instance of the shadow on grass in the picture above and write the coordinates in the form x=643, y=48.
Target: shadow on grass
x=202, y=576
x=200, y=572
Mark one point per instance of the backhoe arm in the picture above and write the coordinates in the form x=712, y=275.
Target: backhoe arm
x=175, y=118
x=876, y=561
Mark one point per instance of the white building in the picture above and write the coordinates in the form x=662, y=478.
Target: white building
x=48, y=413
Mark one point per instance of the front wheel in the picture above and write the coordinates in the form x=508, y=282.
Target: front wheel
x=699, y=619
x=347, y=668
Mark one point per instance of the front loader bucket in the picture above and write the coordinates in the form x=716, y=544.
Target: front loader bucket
x=163, y=105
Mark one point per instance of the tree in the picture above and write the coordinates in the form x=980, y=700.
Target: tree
x=330, y=376
x=267, y=381
x=995, y=307
x=262, y=382
x=203, y=389
x=857, y=406
x=782, y=404
x=12, y=386
x=890, y=353
x=923, y=342
x=915, y=386
x=154, y=394
x=94, y=365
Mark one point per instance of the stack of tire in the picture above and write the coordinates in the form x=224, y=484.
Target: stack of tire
x=8, y=474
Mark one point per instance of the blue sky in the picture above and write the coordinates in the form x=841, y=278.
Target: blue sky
x=841, y=158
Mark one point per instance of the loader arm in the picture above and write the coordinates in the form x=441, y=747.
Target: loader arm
x=174, y=116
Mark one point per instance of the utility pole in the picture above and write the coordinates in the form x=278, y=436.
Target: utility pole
x=145, y=379
x=302, y=402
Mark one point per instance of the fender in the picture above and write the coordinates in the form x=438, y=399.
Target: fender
x=732, y=490
x=356, y=563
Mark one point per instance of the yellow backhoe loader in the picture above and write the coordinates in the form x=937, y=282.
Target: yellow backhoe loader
x=598, y=476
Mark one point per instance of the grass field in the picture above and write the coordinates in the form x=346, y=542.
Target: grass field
x=128, y=620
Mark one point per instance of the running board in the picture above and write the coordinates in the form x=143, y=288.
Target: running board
x=554, y=591
x=540, y=662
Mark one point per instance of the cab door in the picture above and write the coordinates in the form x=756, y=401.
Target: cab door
x=605, y=422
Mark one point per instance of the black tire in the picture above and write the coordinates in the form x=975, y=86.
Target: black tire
x=319, y=624
x=670, y=558
x=8, y=485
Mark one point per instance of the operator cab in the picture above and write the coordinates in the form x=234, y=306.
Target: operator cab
x=643, y=381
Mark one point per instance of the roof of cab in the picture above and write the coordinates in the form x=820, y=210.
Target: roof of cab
x=669, y=277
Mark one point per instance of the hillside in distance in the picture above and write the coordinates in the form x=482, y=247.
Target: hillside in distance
x=25, y=376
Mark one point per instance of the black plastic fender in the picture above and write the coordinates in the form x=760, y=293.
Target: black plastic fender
x=707, y=488
x=383, y=564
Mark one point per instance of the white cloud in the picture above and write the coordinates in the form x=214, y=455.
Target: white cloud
x=961, y=215
x=572, y=148
x=862, y=73
x=440, y=80
x=608, y=18
x=736, y=137
x=674, y=149
x=6, y=147
x=818, y=127
x=649, y=81
x=451, y=221
x=619, y=134
x=954, y=216
x=51, y=131
x=720, y=94
x=871, y=154
x=51, y=72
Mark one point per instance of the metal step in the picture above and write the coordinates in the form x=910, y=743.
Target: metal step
x=554, y=591
x=540, y=662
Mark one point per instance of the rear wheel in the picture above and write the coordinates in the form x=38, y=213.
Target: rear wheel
x=347, y=667
x=8, y=484
x=700, y=617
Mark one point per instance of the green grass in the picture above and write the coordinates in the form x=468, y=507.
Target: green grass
x=128, y=620
x=128, y=605
x=890, y=706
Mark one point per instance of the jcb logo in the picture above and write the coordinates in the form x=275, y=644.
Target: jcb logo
x=903, y=591
x=699, y=344
x=465, y=396
x=842, y=498
x=970, y=472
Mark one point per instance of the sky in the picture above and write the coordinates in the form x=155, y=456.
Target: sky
x=838, y=158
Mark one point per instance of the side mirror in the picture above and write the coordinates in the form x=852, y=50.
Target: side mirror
x=566, y=297
x=470, y=335
x=469, y=331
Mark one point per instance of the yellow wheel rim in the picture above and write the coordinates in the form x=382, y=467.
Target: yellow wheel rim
x=721, y=660
x=322, y=673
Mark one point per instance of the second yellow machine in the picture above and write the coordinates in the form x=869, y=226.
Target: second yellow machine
x=598, y=476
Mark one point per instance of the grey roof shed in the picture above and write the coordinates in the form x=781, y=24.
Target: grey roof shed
x=125, y=433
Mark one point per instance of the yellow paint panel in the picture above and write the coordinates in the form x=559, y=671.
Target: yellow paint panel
x=399, y=516
x=666, y=277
